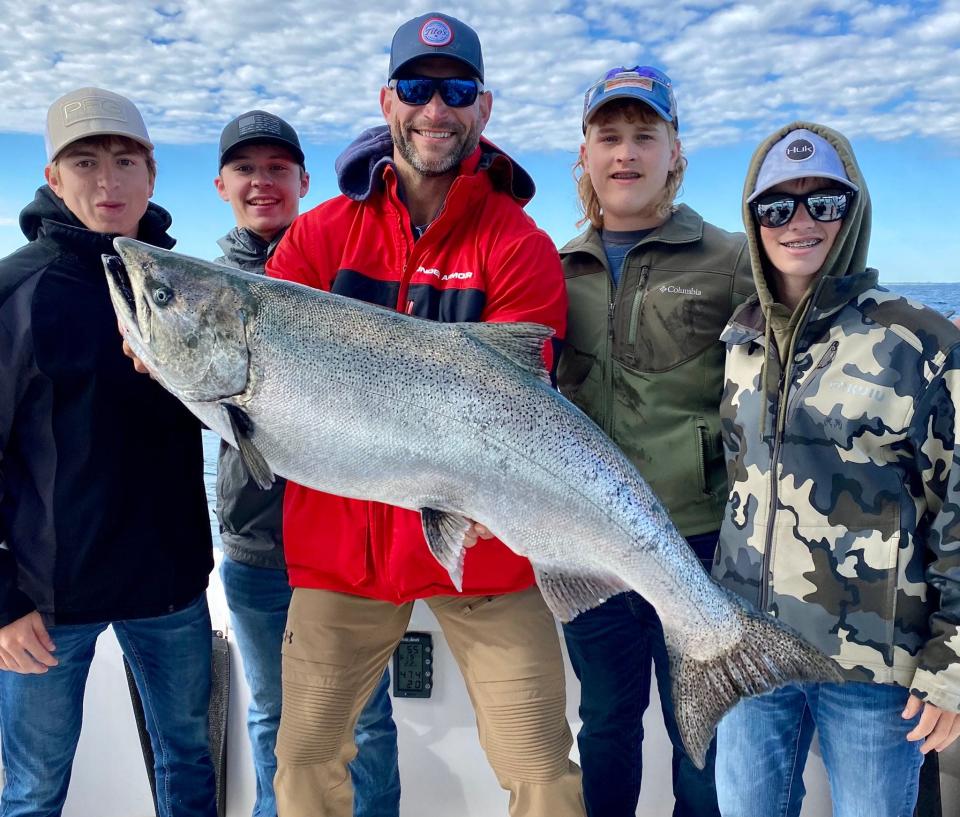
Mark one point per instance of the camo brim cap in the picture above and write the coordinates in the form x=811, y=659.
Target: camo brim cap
x=92, y=112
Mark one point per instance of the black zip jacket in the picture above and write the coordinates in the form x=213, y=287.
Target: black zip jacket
x=103, y=513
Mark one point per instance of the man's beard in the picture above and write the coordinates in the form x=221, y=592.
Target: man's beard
x=441, y=166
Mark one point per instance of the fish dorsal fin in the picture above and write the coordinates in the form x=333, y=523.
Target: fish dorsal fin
x=242, y=427
x=569, y=593
x=521, y=343
x=444, y=534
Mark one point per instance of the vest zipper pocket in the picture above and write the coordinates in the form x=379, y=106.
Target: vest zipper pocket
x=702, y=441
x=636, y=308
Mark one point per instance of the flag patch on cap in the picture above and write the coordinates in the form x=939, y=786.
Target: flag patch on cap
x=799, y=150
x=436, y=32
x=635, y=81
x=259, y=123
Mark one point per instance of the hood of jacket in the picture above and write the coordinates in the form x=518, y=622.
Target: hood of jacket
x=360, y=167
x=847, y=257
x=244, y=249
x=844, y=273
x=47, y=216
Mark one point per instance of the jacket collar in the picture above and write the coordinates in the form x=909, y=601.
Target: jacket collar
x=684, y=226
x=48, y=217
x=364, y=164
x=749, y=322
x=247, y=250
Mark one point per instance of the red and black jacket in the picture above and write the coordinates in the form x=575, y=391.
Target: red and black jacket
x=481, y=259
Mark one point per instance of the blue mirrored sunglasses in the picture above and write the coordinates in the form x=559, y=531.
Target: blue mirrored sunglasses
x=456, y=92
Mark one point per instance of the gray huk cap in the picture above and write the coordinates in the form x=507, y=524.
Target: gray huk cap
x=800, y=154
x=435, y=35
x=92, y=112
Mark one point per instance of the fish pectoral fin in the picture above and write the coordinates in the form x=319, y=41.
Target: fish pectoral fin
x=569, y=593
x=521, y=343
x=242, y=427
x=444, y=533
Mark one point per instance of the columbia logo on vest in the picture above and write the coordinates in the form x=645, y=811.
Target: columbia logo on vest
x=675, y=290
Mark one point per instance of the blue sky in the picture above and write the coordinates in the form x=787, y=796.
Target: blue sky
x=884, y=73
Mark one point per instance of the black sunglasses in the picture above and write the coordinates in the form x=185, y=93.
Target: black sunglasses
x=776, y=209
x=456, y=92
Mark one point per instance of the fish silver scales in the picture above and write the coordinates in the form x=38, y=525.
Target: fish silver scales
x=458, y=422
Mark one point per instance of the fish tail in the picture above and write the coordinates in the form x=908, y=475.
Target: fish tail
x=769, y=654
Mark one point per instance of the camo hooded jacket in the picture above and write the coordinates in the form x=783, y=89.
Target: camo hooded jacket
x=840, y=426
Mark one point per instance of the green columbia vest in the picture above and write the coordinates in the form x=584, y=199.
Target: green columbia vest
x=645, y=361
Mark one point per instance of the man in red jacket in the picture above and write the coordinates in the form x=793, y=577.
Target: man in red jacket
x=430, y=223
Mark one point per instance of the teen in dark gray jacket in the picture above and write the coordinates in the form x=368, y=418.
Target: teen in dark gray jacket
x=262, y=176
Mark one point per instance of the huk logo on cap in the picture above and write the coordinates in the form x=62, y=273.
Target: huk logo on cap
x=436, y=32
x=799, y=150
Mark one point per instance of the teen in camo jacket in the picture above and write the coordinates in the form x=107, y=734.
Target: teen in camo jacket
x=840, y=425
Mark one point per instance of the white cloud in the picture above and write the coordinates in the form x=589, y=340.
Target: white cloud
x=6, y=221
x=880, y=69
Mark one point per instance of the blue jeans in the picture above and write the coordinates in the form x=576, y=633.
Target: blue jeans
x=40, y=715
x=258, y=599
x=611, y=649
x=762, y=746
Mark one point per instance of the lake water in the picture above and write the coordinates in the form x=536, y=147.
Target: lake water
x=944, y=298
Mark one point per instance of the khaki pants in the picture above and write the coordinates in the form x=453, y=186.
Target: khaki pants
x=334, y=651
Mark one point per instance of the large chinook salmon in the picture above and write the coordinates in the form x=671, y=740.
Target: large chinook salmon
x=457, y=421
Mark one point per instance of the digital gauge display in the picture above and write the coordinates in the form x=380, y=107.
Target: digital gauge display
x=413, y=666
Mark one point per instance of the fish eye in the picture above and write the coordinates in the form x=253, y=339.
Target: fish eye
x=162, y=296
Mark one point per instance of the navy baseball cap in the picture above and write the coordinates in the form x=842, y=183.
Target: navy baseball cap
x=642, y=83
x=435, y=35
x=801, y=153
x=259, y=127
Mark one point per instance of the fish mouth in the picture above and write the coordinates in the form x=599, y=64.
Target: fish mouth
x=120, y=278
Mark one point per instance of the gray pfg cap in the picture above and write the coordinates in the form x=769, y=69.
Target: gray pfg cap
x=799, y=154
x=435, y=35
x=259, y=127
x=92, y=112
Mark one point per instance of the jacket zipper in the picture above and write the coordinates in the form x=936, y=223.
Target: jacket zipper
x=608, y=368
x=774, y=481
x=772, y=507
x=701, y=426
x=638, y=304
x=824, y=361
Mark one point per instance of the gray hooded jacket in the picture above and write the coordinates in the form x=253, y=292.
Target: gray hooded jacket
x=251, y=519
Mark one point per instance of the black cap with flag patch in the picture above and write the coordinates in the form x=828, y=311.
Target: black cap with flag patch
x=259, y=127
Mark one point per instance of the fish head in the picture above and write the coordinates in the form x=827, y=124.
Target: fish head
x=185, y=318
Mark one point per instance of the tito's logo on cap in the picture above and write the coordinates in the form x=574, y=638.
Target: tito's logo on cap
x=436, y=32
x=799, y=150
